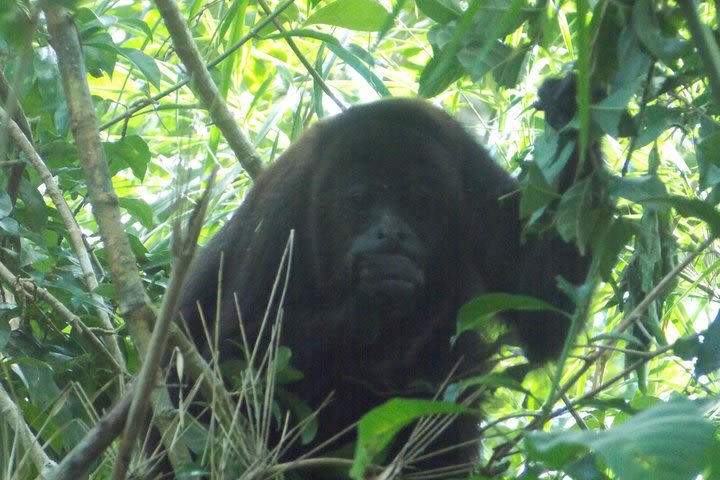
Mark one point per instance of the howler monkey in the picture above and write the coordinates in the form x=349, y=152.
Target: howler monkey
x=399, y=217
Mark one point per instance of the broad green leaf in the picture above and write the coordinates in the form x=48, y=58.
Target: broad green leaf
x=145, y=63
x=139, y=210
x=99, y=49
x=443, y=66
x=9, y=226
x=437, y=76
x=667, y=48
x=537, y=193
x=360, y=15
x=503, y=61
x=378, y=427
x=670, y=441
x=359, y=66
x=707, y=157
x=636, y=189
x=656, y=120
x=607, y=247
x=442, y=11
x=130, y=151
x=573, y=218
x=691, y=207
x=5, y=204
x=7, y=312
x=479, y=310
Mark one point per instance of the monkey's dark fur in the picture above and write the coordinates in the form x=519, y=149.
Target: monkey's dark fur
x=400, y=217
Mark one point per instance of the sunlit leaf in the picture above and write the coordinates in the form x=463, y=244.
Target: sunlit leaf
x=361, y=15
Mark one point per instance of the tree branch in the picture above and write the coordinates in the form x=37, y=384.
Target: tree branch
x=204, y=86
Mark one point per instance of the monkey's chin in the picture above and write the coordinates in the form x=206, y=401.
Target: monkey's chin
x=392, y=297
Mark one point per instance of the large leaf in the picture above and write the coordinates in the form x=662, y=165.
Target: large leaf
x=442, y=11
x=361, y=15
x=671, y=441
x=379, y=426
x=477, y=311
x=145, y=63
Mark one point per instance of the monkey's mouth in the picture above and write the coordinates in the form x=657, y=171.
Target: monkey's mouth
x=388, y=282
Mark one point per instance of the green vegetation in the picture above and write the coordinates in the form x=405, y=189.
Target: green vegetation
x=634, y=396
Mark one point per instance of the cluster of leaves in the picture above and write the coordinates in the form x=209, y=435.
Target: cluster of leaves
x=482, y=60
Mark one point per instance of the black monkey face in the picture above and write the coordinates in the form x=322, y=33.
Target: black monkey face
x=388, y=214
x=386, y=259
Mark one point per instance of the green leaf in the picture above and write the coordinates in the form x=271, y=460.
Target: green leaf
x=709, y=353
x=360, y=15
x=438, y=75
x=573, y=219
x=145, y=63
x=99, y=50
x=707, y=158
x=656, y=120
x=130, y=151
x=7, y=311
x=5, y=204
x=691, y=207
x=479, y=310
x=379, y=426
x=645, y=23
x=135, y=25
x=9, y=226
x=548, y=155
x=443, y=66
x=537, y=192
x=607, y=248
x=503, y=61
x=139, y=210
x=636, y=189
x=442, y=11
x=670, y=441
x=357, y=64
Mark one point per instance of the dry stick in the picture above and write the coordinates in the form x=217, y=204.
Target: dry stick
x=12, y=415
x=140, y=104
x=205, y=87
x=311, y=70
x=84, y=454
x=629, y=319
x=183, y=253
x=31, y=290
x=73, y=230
